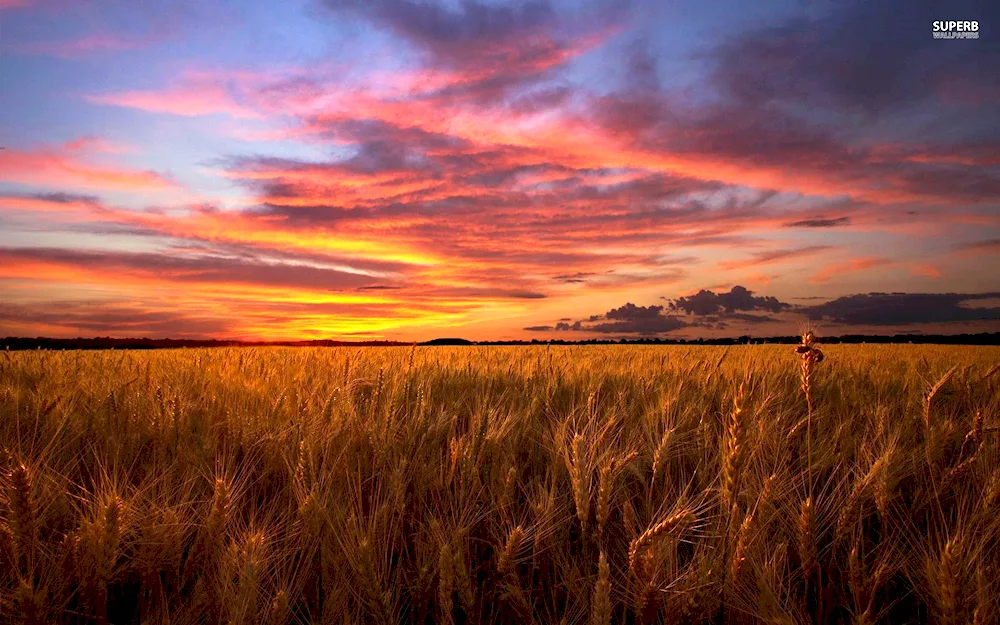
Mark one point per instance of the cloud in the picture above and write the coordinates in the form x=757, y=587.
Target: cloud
x=750, y=318
x=488, y=50
x=65, y=198
x=201, y=97
x=575, y=278
x=120, y=318
x=820, y=223
x=177, y=268
x=719, y=312
x=95, y=43
x=791, y=107
x=774, y=256
x=649, y=325
x=53, y=202
x=812, y=61
x=738, y=298
x=378, y=287
x=66, y=168
x=626, y=319
x=987, y=246
x=854, y=265
x=444, y=29
x=631, y=312
x=892, y=309
x=94, y=144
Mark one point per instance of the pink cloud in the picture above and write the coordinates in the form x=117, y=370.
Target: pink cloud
x=854, y=265
x=187, y=100
x=98, y=144
x=65, y=168
x=89, y=44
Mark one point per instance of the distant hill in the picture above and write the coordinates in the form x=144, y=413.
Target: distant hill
x=447, y=342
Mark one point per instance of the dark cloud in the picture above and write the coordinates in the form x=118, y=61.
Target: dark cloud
x=500, y=49
x=646, y=325
x=378, y=287
x=889, y=309
x=738, y=298
x=964, y=183
x=749, y=318
x=575, y=278
x=837, y=98
x=820, y=223
x=719, y=311
x=631, y=312
x=121, y=319
x=450, y=31
x=525, y=295
x=541, y=99
x=872, y=57
x=626, y=319
x=989, y=246
x=66, y=198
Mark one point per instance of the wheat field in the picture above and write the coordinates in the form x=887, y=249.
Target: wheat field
x=571, y=484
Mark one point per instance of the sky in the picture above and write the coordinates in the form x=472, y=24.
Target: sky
x=405, y=170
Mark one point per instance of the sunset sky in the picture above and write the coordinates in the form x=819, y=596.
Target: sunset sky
x=405, y=170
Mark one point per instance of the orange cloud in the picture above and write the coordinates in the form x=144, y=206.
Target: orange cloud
x=179, y=291
x=854, y=265
x=925, y=269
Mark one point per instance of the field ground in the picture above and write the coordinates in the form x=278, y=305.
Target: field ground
x=579, y=484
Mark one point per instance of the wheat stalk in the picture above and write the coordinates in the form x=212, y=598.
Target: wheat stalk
x=508, y=555
x=806, y=534
x=674, y=522
x=985, y=609
x=660, y=457
x=23, y=522
x=29, y=604
x=931, y=394
x=580, y=475
x=601, y=609
x=735, y=449
x=446, y=584
x=100, y=540
x=944, y=577
x=603, y=496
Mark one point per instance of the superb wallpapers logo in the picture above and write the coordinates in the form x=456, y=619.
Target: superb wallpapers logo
x=956, y=29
